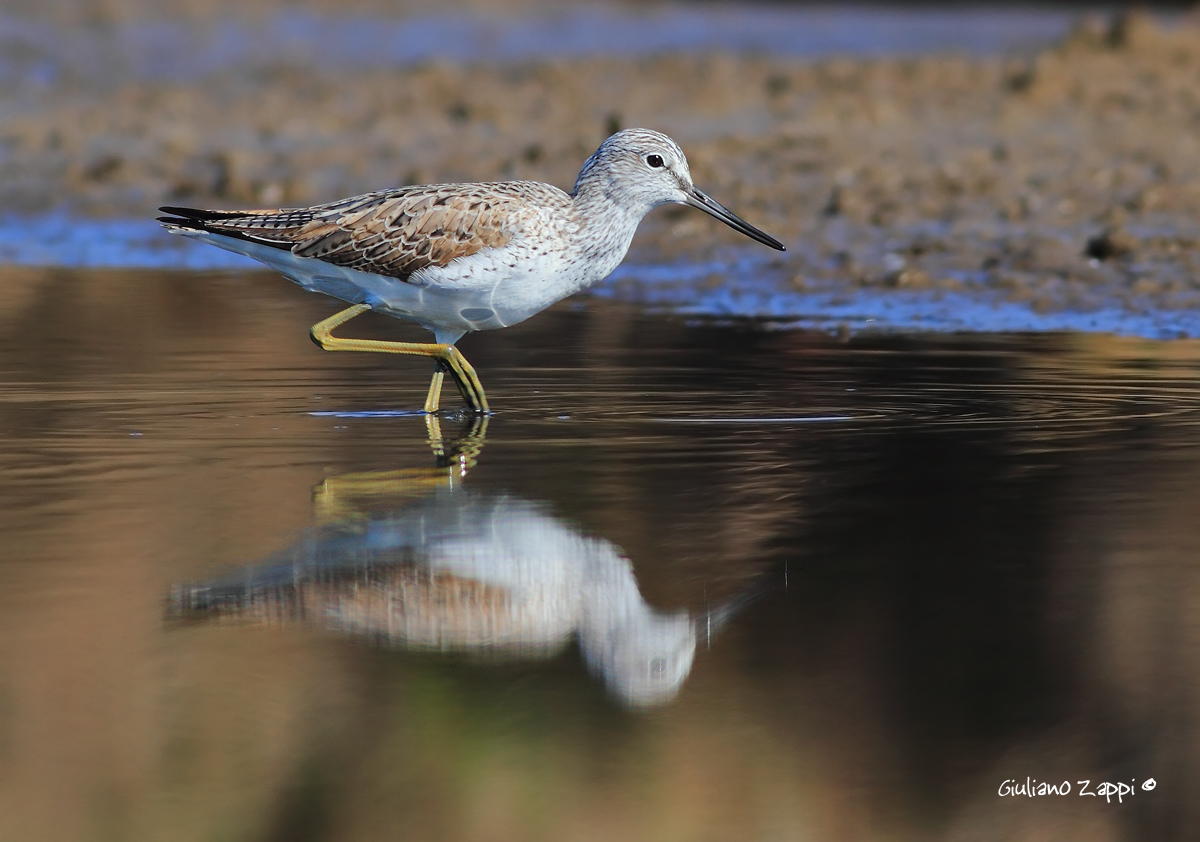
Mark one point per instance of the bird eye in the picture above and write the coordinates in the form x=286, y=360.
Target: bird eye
x=655, y=161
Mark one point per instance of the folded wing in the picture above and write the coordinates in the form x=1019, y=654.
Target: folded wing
x=392, y=232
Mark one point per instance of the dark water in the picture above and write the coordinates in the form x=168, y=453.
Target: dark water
x=701, y=579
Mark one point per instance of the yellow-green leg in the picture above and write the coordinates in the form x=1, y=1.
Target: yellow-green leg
x=447, y=357
x=344, y=500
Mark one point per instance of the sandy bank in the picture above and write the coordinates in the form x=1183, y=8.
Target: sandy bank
x=1058, y=178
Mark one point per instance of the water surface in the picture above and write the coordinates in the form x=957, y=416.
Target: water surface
x=762, y=285
x=696, y=579
x=37, y=52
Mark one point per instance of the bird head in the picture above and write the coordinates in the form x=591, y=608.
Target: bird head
x=640, y=169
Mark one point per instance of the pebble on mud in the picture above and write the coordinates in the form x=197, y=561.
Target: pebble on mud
x=1110, y=243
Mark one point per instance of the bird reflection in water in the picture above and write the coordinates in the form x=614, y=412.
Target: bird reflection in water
x=415, y=559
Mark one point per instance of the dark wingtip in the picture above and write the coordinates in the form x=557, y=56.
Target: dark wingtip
x=210, y=224
x=180, y=222
x=202, y=214
x=186, y=213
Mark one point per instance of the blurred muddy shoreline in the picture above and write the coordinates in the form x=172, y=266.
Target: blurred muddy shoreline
x=1065, y=177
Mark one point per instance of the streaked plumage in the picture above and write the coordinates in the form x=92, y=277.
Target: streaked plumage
x=393, y=232
x=462, y=257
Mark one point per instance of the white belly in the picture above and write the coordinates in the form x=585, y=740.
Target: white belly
x=488, y=290
x=512, y=282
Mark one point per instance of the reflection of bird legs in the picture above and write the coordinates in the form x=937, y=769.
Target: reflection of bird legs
x=447, y=357
x=340, y=499
x=461, y=454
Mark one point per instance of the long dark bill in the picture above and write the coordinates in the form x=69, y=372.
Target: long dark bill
x=698, y=199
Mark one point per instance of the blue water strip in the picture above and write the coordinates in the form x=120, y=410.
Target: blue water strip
x=755, y=288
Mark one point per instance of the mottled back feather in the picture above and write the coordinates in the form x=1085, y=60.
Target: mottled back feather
x=394, y=232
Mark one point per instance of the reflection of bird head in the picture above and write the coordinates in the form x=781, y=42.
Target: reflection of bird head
x=645, y=658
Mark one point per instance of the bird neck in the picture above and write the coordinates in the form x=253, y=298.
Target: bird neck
x=605, y=226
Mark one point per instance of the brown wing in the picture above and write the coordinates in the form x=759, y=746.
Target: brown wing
x=393, y=233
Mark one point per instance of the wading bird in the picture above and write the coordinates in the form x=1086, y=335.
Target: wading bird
x=456, y=258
